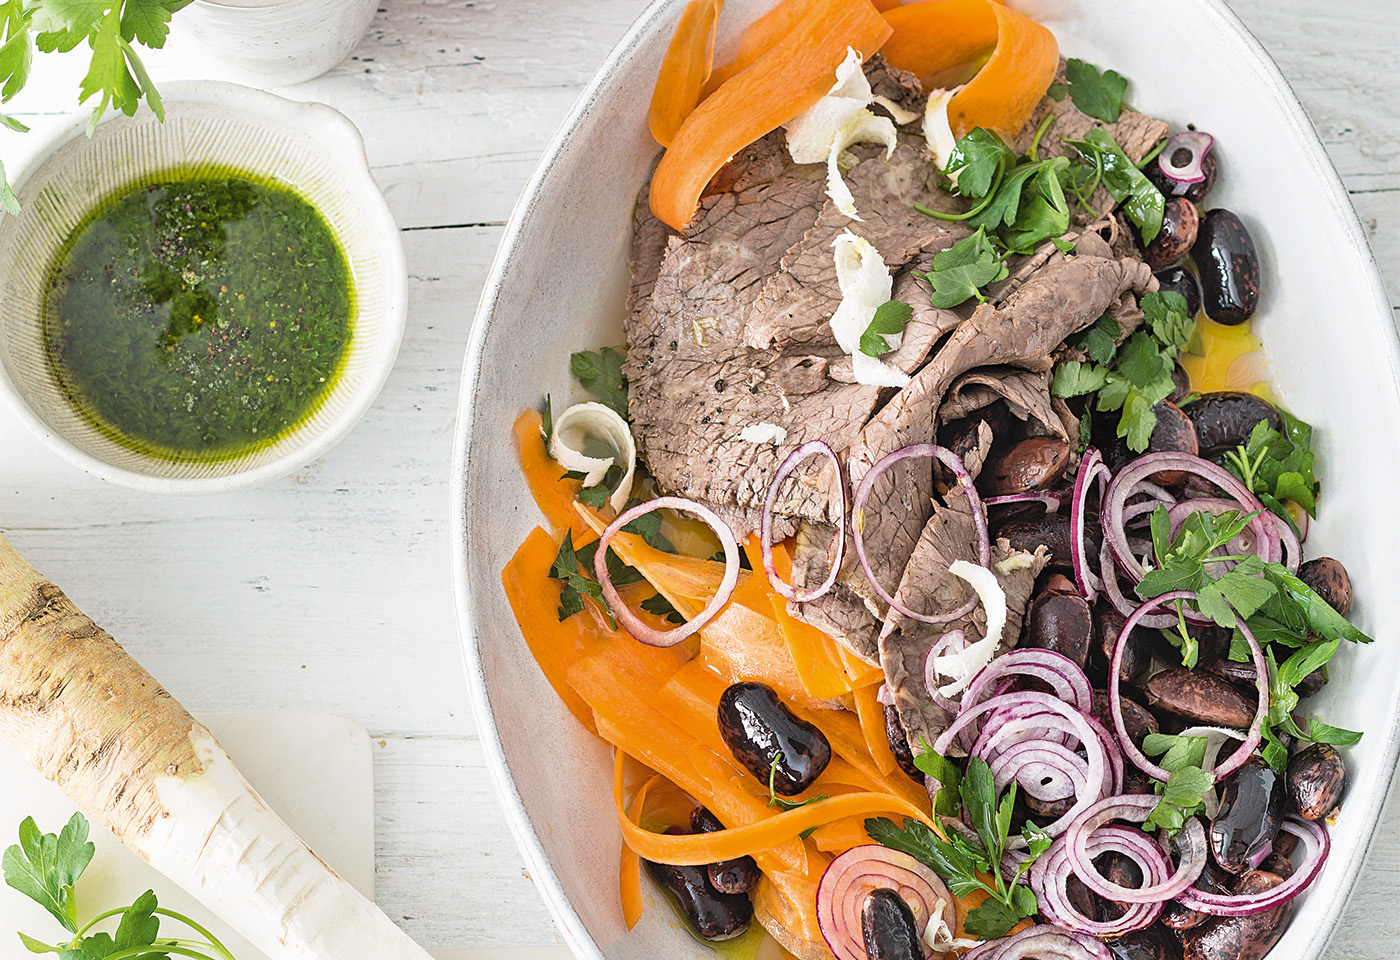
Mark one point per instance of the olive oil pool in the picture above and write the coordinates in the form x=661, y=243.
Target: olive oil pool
x=199, y=315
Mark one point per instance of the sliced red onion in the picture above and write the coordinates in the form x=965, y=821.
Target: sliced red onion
x=883, y=695
x=1124, y=485
x=629, y=620
x=1111, y=589
x=1062, y=674
x=1051, y=501
x=837, y=551
x=1110, y=748
x=1316, y=846
x=1055, y=715
x=1044, y=941
x=1115, y=696
x=1091, y=466
x=1191, y=843
x=979, y=519
x=1183, y=159
x=860, y=871
x=1292, y=547
x=1049, y=881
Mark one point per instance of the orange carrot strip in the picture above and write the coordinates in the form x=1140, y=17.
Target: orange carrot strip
x=753, y=838
x=685, y=69
x=872, y=723
x=630, y=872
x=814, y=655
x=838, y=836
x=553, y=494
x=780, y=84
x=761, y=36
x=534, y=598
x=1004, y=93
x=942, y=43
x=1006, y=59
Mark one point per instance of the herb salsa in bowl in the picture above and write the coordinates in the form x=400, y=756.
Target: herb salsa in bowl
x=199, y=316
x=200, y=304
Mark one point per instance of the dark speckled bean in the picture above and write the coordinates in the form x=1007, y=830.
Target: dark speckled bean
x=888, y=928
x=1154, y=943
x=1330, y=581
x=757, y=727
x=1050, y=530
x=713, y=915
x=1138, y=722
x=1181, y=918
x=1060, y=622
x=1036, y=463
x=1200, y=696
x=1180, y=280
x=1251, y=809
x=1229, y=267
x=739, y=875
x=1316, y=779
x=1225, y=420
x=1180, y=222
x=1240, y=938
x=899, y=745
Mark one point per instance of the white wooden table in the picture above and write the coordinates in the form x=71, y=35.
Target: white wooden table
x=330, y=589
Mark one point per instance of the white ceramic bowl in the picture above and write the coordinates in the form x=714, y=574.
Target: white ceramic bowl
x=309, y=147
x=559, y=284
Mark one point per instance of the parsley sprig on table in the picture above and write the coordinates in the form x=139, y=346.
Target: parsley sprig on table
x=958, y=859
x=1134, y=376
x=45, y=867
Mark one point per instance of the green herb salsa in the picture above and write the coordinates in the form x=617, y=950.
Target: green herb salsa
x=199, y=315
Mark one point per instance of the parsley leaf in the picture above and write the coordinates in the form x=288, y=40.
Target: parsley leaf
x=575, y=568
x=1098, y=95
x=1183, y=795
x=947, y=801
x=547, y=420
x=601, y=372
x=45, y=866
x=662, y=607
x=1167, y=317
x=976, y=162
x=1099, y=342
x=1074, y=378
x=962, y=269
x=648, y=527
x=598, y=494
x=952, y=864
x=1278, y=466
x=889, y=321
x=992, y=918
x=1142, y=202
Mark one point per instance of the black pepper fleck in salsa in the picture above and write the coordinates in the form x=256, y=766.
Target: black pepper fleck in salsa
x=199, y=316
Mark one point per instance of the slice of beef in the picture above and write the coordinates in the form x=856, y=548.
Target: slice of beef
x=1027, y=396
x=797, y=301
x=928, y=587
x=894, y=84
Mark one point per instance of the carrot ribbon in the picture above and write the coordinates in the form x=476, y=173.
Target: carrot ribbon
x=685, y=69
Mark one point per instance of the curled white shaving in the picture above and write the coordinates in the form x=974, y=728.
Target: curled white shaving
x=901, y=116
x=938, y=936
x=1017, y=561
x=865, y=284
x=937, y=130
x=835, y=123
x=582, y=422
x=763, y=433
x=962, y=666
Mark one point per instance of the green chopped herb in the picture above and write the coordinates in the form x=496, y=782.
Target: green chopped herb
x=1142, y=202
x=662, y=607
x=601, y=372
x=1098, y=95
x=889, y=321
x=1183, y=795
x=959, y=272
x=780, y=802
x=1278, y=467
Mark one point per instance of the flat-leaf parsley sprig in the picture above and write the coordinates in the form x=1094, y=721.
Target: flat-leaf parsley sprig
x=45, y=867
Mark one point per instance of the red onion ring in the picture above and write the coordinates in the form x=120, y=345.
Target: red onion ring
x=835, y=554
x=1049, y=880
x=1055, y=669
x=979, y=519
x=1122, y=487
x=1091, y=465
x=629, y=620
x=1135, y=807
x=1050, y=500
x=1316, y=845
x=1111, y=589
x=1115, y=696
x=860, y=871
x=1055, y=714
x=1044, y=941
x=1198, y=144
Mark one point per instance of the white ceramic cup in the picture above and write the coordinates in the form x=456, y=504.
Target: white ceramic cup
x=275, y=42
